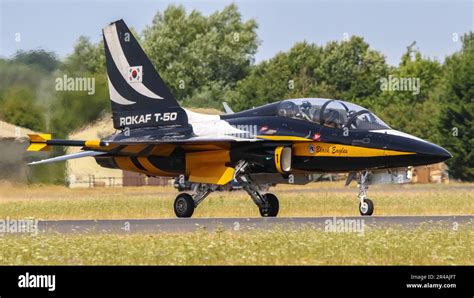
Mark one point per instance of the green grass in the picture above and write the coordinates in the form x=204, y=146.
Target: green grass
x=306, y=246
x=425, y=245
x=328, y=199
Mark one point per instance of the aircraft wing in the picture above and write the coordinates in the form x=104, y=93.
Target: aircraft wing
x=68, y=156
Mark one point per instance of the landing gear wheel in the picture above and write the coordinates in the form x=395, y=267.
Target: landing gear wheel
x=272, y=206
x=366, y=208
x=184, y=205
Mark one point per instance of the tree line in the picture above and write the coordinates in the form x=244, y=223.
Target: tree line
x=206, y=60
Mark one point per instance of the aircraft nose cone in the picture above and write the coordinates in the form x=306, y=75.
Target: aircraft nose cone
x=426, y=153
x=438, y=153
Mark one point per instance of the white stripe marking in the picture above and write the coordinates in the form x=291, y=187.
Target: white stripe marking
x=116, y=97
x=394, y=132
x=211, y=126
x=120, y=60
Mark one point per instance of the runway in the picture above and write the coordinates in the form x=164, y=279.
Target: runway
x=245, y=224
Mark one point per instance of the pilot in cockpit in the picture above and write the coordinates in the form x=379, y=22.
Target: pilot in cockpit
x=306, y=111
x=288, y=109
x=333, y=118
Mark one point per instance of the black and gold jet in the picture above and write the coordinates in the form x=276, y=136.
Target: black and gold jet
x=281, y=142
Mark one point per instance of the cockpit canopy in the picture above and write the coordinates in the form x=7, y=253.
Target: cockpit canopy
x=331, y=113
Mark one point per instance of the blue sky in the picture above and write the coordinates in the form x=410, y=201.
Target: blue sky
x=388, y=26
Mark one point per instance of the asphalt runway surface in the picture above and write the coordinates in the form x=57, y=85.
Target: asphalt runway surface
x=245, y=224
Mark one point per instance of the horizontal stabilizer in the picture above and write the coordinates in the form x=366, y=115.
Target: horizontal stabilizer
x=43, y=142
x=67, y=156
x=38, y=142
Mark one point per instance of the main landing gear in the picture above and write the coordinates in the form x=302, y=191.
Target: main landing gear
x=185, y=203
x=268, y=203
x=366, y=206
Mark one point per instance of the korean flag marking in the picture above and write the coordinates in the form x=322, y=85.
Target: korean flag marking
x=135, y=74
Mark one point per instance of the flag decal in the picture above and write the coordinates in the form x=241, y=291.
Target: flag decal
x=135, y=74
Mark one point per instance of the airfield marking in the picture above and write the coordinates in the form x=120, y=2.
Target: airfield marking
x=239, y=224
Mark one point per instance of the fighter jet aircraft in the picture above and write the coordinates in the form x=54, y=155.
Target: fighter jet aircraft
x=281, y=142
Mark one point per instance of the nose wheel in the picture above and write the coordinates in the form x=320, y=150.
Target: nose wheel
x=366, y=207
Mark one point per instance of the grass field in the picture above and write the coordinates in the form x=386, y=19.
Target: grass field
x=297, y=247
x=425, y=245
x=321, y=199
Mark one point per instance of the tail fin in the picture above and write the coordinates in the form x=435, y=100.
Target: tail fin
x=138, y=95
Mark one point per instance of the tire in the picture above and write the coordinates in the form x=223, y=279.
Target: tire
x=184, y=205
x=273, y=206
x=368, y=209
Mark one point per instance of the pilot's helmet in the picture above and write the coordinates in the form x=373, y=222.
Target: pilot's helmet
x=288, y=109
x=306, y=105
x=333, y=118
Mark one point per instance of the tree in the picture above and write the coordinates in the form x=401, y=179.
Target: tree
x=354, y=71
x=19, y=108
x=268, y=82
x=42, y=59
x=85, y=58
x=457, y=116
x=76, y=108
x=195, y=53
x=416, y=110
x=346, y=70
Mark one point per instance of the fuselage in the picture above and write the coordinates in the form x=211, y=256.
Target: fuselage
x=320, y=137
x=319, y=146
x=330, y=150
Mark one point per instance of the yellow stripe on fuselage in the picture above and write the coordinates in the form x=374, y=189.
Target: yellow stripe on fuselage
x=337, y=150
x=124, y=163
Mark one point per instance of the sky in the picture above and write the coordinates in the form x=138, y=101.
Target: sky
x=389, y=26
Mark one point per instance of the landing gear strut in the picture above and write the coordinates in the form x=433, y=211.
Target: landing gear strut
x=268, y=203
x=366, y=206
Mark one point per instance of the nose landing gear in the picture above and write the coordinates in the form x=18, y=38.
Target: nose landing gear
x=366, y=206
